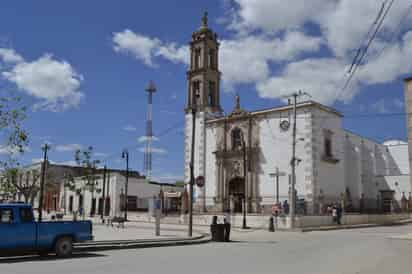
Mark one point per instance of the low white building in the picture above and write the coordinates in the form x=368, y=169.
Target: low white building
x=139, y=196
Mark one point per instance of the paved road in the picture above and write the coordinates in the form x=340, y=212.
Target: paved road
x=347, y=251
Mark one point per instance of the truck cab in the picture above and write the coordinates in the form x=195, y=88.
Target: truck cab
x=19, y=233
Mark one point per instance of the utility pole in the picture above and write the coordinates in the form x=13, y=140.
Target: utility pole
x=104, y=193
x=125, y=155
x=244, y=226
x=295, y=95
x=43, y=176
x=192, y=159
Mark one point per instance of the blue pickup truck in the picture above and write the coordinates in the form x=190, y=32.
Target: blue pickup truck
x=19, y=233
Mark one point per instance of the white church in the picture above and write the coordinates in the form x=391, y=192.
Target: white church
x=237, y=153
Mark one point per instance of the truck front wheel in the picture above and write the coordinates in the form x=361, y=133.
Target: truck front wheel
x=64, y=247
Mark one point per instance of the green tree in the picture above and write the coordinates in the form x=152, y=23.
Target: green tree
x=14, y=140
x=84, y=158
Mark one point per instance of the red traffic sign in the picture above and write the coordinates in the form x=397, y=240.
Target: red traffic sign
x=200, y=181
x=275, y=209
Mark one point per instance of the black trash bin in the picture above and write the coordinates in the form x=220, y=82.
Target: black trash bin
x=218, y=232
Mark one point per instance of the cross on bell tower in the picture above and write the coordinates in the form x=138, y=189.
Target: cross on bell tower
x=203, y=75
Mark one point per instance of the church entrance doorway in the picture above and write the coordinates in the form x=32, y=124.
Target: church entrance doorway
x=237, y=194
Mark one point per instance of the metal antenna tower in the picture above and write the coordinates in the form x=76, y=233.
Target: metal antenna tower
x=151, y=88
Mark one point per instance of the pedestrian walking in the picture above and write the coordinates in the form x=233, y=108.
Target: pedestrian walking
x=286, y=207
x=335, y=214
x=226, y=222
x=338, y=214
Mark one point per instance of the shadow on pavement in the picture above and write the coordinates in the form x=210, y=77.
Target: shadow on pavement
x=38, y=258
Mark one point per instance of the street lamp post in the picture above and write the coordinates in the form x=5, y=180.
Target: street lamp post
x=125, y=155
x=192, y=156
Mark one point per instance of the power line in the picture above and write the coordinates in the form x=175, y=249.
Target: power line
x=358, y=52
x=396, y=30
x=355, y=67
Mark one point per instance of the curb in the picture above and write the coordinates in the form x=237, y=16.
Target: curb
x=133, y=244
x=310, y=229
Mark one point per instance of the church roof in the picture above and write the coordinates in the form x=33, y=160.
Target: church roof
x=279, y=109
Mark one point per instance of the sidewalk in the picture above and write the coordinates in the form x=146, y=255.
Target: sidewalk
x=139, y=231
x=139, y=235
x=338, y=227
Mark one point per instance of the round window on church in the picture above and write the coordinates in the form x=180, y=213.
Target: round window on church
x=284, y=125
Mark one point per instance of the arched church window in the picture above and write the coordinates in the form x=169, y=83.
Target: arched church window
x=197, y=58
x=212, y=91
x=196, y=92
x=237, y=139
x=211, y=59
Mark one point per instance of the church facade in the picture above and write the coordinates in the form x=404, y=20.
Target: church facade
x=240, y=154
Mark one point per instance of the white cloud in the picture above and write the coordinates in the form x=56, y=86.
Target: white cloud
x=145, y=48
x=276, y=15
x=68, y=147
x=269, y=47
x=55, y=82
x=256, y=54
x=391, y=64
x=320, y=77
x=346, y=25
x=155, y=150
x=143, y=139
x=8, y=55
x=129, y=128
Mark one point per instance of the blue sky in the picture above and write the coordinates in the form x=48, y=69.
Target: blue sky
x=82, y=67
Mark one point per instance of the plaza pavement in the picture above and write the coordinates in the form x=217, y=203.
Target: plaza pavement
x=358, y=251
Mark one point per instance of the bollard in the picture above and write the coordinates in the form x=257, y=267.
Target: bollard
x=271, y=226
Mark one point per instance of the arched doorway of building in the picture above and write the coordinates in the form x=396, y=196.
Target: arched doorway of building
x=237, y=193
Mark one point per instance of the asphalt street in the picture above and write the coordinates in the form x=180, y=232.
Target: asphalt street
x=369, y=250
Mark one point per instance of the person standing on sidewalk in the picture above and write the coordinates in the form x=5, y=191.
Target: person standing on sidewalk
x=335, y=214
x=226, y=222
x=338, y=214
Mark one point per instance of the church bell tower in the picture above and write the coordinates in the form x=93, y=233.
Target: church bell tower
x=203, y=101
x=203, y=75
